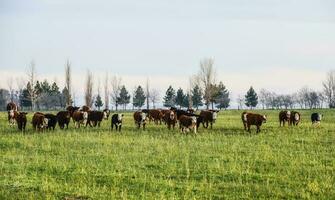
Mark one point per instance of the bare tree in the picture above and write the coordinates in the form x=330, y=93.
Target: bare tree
x=154, y=97
x=106, y=91
x=147, y=92
x=329, y=88
x=240, y=102
x=68, y=83
x=10, y=88
x=89, y=89
x=207, y=78
x=115, y=93
x=31, y=73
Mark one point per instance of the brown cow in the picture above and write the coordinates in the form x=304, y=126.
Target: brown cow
x=244, y=119
x=39, y=121
x=21, y=120
x=63, y=118
x=79, y=117
x=209, y=116
x=253, y=119
x=156, y=116
x=95, y=118
x=85, y=108
x=72, y=109
x=140, y=118
x=170, y=119
x=295, y=118
x=11, y=109
x=188, y=122
x=284, y=116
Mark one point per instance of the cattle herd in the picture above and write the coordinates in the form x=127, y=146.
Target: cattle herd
x=187, y=119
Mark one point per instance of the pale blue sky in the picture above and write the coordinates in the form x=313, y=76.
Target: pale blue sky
x=259, y=42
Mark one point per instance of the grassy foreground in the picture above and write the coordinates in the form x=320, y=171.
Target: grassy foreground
x=223, y=163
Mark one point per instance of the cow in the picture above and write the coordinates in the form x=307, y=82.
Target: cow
x=21, y=120
x=179, y=113
x=295, y=118
x=63, y=118
x=156, y=116
x=140, y=118
x=164, y=111
x=108, y=112
x=52, y=121
x=316, y=118
x=79, y=117
x=244, y=119
x=170, y=119
x=39, y=121
x=249, y=119
x=72, y=109
x=11, y=109
x=284, y=116
x=85, y=108
x=188, y=122
x=116, y=121
x=209, y=116
x=96, y=117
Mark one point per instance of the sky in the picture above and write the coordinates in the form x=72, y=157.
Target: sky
x=280, y=45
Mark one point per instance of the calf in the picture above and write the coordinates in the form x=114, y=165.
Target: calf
x=117, y=121
x=284, y=116
x=316, y=118
x=209, y=116
x=79, y=117
x=63, y=118
x=156, y=116
x=254, y=119
x=295, y=118
x=170, y=119
x=52, y=121
x=21, y=120
x=140, y=119
x=39, y=121
x=11, y=109
x=188, y=122
x=96, y=117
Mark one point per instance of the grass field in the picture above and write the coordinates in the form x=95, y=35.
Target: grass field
x=223, y=163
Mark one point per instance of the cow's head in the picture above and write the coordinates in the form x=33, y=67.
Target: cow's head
x=172, y=115
x=45, y=123
x=319, y=117
x=105, y=114
x=214, y=116
x=85, y=117
x=264, y=118
x=11, y=113
x=143, y=117
x=296, y=117
x=119, y=117
x=288, y=114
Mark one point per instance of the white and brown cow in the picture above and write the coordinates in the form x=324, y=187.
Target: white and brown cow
x=140, y=118
x=79, y=118
x=209, y=117
x=11, y=109
x=39, y=121
x=186, y=123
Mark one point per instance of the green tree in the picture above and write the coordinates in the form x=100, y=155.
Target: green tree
x=186, y=102
x=251, y=98
x=180, y=97
x=124, y=97
x=98, y=102
x=197, y=96
x=222, y=97
x=139, y=97
x=25, y=100
x=170, y=97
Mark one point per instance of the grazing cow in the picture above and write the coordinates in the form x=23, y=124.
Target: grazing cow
x=188, y=122
x=96, y=117
x=52, y=121
x=63, y=118
x=209, y=116
x=85, y=108
x=79, y=117
x=140, y=118
x=11, y=109
x=170, y=119
x=316, y=118
x=253, y=119
x=284, y=116
x=21, y=120
x=295, y=118
x=117, y=121
x=39, y=121
x=156, y=116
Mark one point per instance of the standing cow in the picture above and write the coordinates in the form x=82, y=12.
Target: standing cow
x=79, y=117
x=52, y=121
x=95, y=118
x=156, y=116
x=21, y=120
x=284, y=116
x=249, y=119
x=316, y=118
x=188, y=122
x=11, y=109
x=117, y=122
x=39, y=121
x=63, y=118
x=170, y=119
x=140, y=118
x=295, y=118
x=209, y=116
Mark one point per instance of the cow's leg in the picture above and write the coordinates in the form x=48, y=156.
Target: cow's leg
x=248, y=128
x=258, y=129
x=120, y=126
x=211, y=125
x=143, y=126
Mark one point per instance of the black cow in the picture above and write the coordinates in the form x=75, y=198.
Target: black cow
x=117, y=121
x=316, y=118
x=52, y=121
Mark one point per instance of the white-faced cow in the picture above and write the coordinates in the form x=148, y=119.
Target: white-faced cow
x=11, y=109
x=39, y=121
x=79, y=117
x=284, y=116
x=249, y=119
x=116, y=121
x=140, y=118
x=209, y=117
x=316, y=118
x=188, y=122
